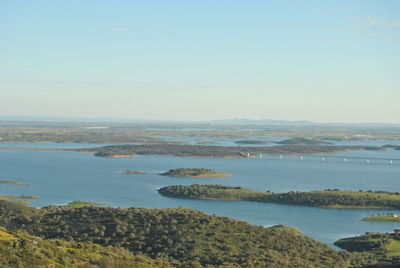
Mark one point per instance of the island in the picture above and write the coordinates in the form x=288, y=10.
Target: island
x=330, y=198
x=18, y=199
x=195, y=173
x=15, y=182
x=383, y=246
x=252, y=142
x=389, y=217
x=127, y=171
x=304, y=141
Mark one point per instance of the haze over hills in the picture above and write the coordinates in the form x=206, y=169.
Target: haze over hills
x=241, y=121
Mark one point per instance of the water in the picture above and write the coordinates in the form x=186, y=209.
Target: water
x=61, y=177
x=49, y=145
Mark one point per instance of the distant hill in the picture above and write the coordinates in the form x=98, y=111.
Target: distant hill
x=242, y=121
x=260, y=122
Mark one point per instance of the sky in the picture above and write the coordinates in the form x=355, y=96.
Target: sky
x=324, y=61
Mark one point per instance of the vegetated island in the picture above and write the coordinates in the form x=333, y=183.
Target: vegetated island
x=384, y=246
x=178, y=237
x=388, y=217
x=15, y=182
x=218, y=151
x=19, y=199
x=304, y=141
x=325, y=198
x=195, y=173
x=128, y=171
x=252, y=142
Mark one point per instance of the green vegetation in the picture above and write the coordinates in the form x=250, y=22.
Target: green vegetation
x=19, y=249
x=326, y=198
x=252, y=142
x=14, y=182
x=389, y=217
x=217, y=151
x=195, y=173
x=304, y=141
x=184, y=237
x=127, y=171
x=385, y=246
x=79, y=204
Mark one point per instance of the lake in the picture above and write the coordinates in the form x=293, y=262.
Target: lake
x=61, y=177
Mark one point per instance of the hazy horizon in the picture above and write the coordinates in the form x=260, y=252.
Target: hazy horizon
x=323, y=61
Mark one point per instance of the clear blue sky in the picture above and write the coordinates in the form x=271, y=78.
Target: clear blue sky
x=202, y=59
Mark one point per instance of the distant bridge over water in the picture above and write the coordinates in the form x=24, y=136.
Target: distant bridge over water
x=337, y=158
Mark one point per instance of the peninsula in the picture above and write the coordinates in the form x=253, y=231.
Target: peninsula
x=389, y=217
x=384, y=246
x=325, y=198
x=80, y=204
x=195, y=173
x=188, y=150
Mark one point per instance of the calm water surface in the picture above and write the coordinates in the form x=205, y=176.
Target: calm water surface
x=61, y=177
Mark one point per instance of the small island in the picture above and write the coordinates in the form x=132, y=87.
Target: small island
x=304, y=141
x=330, y=198
x=389, y=217
x=252, y=142
x=195, y=173
x=15, y=182
x=127, y=171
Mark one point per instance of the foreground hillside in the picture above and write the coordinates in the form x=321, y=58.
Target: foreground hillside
x=18, y=249
x=185, y=237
